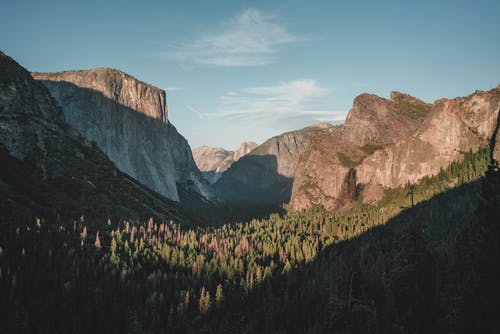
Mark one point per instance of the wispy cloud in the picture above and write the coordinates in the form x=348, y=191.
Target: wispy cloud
x=195, y=111
x=173, y=89
x=286, y=100
x=251, y=38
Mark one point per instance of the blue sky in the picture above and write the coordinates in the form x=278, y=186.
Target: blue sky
x=241, y=70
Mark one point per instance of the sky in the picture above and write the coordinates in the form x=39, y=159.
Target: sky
x=237, y=71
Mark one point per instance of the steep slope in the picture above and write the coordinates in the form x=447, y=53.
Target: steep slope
x=128, y=120
x=387, y=143
x=213, y=161
x=48, y=168
x=265, y=175
x=454, y=126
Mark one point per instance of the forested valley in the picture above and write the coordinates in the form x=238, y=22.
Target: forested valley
x=422, y=260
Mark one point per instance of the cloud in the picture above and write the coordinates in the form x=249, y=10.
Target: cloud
x=195, y=111
x=251, y=38
x=286, y=100
x=173, y=89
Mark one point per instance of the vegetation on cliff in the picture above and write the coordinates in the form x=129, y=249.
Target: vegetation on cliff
x=381, y=268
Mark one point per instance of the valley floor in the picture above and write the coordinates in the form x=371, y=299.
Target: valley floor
x=385, y=268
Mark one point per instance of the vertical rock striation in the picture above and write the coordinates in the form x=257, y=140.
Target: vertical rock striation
x=453, y=126
x=49, y=169
x=128, y=120
x=387, y=143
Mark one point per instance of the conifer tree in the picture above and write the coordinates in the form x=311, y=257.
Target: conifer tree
x=219, y=295
x=97, y=242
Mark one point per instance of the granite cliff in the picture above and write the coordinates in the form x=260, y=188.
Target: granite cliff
x=128, y=120
x=213, y=161
x=48, y=168
x=265, y=175
x=387, y=143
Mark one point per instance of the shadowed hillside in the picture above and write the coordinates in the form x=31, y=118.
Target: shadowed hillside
x=373, y=268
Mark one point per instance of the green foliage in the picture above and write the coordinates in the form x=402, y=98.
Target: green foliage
x=371, y=268
x=412, y=110
x=371, y=148
x=349, y=159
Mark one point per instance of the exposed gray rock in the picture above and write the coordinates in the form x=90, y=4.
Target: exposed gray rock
x=128, y=120
x=52, y=168
x=213, y=161
x=265, y=175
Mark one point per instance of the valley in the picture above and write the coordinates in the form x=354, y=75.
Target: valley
x=111, y=223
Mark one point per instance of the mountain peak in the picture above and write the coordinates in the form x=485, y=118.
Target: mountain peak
x=324, y=125
x=213, y=161
x=46, y=161
x=117, y=86
x=128, y=120
x=397, y=97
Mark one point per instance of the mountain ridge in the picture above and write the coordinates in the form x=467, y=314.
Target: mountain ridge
x=128, y=120
x=214, y=161
x=50, y=169
x=386, y=143
x=264, y=176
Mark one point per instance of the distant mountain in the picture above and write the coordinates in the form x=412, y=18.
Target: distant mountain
x=49, y=169
x=213, y=161
x=265, y=175
x=387, y=143
x=128, y=120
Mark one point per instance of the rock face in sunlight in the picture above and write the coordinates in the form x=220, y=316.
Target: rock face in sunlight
x=128, y=120
x=265, y=175
x=49, y=168
x=387, y=143
x=213, y=161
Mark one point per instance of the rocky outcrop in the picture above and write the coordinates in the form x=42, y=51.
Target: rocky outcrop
x=265, y=175
x=453, y=126
x=48, y=168
x=375, y=120
x=128, y=120
x=387, y=143
x=372, y=124
x=495, y=143
x=213, y=161
x=245, y=148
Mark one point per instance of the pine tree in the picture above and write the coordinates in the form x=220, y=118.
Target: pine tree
x=83, y=235
x=487, y=266
x=219, y=295
x=204, y=302
x=97, y=243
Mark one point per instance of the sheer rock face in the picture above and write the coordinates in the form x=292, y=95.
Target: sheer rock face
x=496, y=149
x=265, y=175
x=116, y=86
x=386, y=143
x=453, y=126
x=128, y=120
x=53, y=167
x=373, y=119
x=213, y=161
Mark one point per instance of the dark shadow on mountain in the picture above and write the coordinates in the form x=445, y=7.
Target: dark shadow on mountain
x=397, y=277
x=94, y=190
x=251, y=188
x=254, y=179
x=216, y=214
x=135, y=140
x=211, y=176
